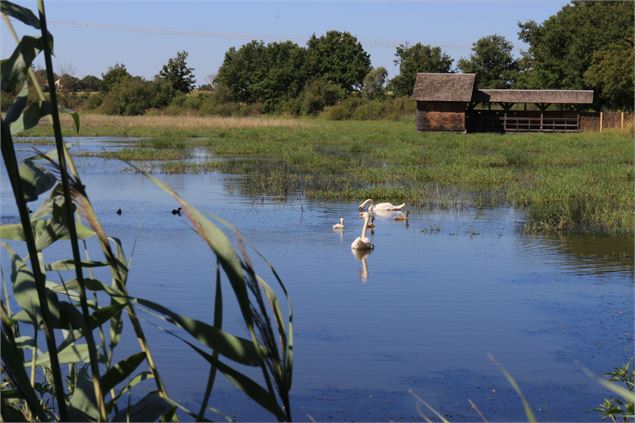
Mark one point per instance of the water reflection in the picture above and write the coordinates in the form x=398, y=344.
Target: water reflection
x=362, y=255
x=582, y=253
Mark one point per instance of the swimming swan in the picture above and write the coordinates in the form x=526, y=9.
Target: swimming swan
x=361, y=242
x=402, y=216
x=380, y=206
x=339, y=226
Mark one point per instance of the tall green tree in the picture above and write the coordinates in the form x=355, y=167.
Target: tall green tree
x=178, y=73
x=414, y=59
x=374, y=83
x=267, y=73
x=562, y=48
x=114, y=75
x=492, y=62
x=338, y=57
x=611, y=75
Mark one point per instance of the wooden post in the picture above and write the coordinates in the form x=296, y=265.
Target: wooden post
x=542, y=108
x=506, y=108
x=622, y=120
x=601, y=121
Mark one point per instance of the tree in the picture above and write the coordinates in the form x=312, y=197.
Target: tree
x=91, y=83
x=339, y=58
x=68, y=83
x=562, y=48
x=177, y=73
x=492, y=62
x=374, y=83
x=267, y=73
x=114, y=75
x=318, y=94
x=134, y=95
x=611, y=75
x=414, y=59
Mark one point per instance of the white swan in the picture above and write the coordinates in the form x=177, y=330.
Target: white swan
x=339, y=226
x=362, y=242
x=402, y=216
x=380, y=206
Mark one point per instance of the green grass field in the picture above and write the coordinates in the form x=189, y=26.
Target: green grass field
x=569, y=183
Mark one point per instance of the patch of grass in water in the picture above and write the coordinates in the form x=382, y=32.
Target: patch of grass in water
x=567, y=183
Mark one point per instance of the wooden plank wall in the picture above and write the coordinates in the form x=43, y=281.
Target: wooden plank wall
x=440, y=116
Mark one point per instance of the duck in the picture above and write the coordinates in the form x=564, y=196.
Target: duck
x=380, y=206
x=402, y=216
x=362, y=242
x=176, y=211
x=119, y=211
x=339, y=226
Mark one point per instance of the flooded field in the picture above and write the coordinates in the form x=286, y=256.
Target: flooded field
x=420, y=313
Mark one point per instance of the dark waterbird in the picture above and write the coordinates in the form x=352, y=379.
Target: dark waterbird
x=176, y=211
x=119, y=211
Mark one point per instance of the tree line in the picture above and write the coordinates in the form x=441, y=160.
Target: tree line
x=585, y=45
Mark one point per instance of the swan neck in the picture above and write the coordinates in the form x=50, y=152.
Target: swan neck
x=366, y=219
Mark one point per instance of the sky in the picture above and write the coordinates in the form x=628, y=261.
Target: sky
x=92, y=35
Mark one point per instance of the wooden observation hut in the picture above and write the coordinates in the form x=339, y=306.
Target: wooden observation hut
x=451, y=102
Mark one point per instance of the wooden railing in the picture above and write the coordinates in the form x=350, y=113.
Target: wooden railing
x=503, y=122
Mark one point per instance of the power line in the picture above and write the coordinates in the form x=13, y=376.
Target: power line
x=375, y=42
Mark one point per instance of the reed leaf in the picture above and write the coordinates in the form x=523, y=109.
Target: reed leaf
x=626, y=394
x=14, y=69
x=247, y=385
x=73, y=353
x=232, y=347
x=148, y=409
x=13, y=366
x=18, y=106
x=30, y=117
x=46, y=232
x=243, y=280
x=120, y=371
x=25, y=290
x=20, y=13
x=529, y=413
x=140, y=377
x=35, y=180
x=83, y=397
x=10, y=412
x=218, y=324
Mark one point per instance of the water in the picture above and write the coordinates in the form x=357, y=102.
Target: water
x=421, y=312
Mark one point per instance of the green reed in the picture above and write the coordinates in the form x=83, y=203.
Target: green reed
x=82, y=331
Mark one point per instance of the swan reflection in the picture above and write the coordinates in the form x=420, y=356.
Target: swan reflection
x=362, y=255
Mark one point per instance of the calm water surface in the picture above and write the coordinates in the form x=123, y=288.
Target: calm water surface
x=420, y=313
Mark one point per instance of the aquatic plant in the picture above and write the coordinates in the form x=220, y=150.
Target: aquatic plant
x=622, y=407
x=74, y=376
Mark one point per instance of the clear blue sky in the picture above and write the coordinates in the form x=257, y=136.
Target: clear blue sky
x=90, y=36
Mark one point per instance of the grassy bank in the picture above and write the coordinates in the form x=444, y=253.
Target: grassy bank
x=580, y=183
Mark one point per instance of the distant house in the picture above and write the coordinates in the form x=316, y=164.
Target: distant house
x=451, y=102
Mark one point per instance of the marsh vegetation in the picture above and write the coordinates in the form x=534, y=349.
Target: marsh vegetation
x=566, y=183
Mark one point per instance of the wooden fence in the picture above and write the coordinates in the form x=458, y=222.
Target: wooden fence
x=522, y=121
x=548, y=121
x=606, y=120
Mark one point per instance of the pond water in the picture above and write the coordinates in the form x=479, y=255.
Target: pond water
x=421, y=312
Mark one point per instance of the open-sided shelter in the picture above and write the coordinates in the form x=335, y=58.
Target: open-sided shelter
x=449, y=102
